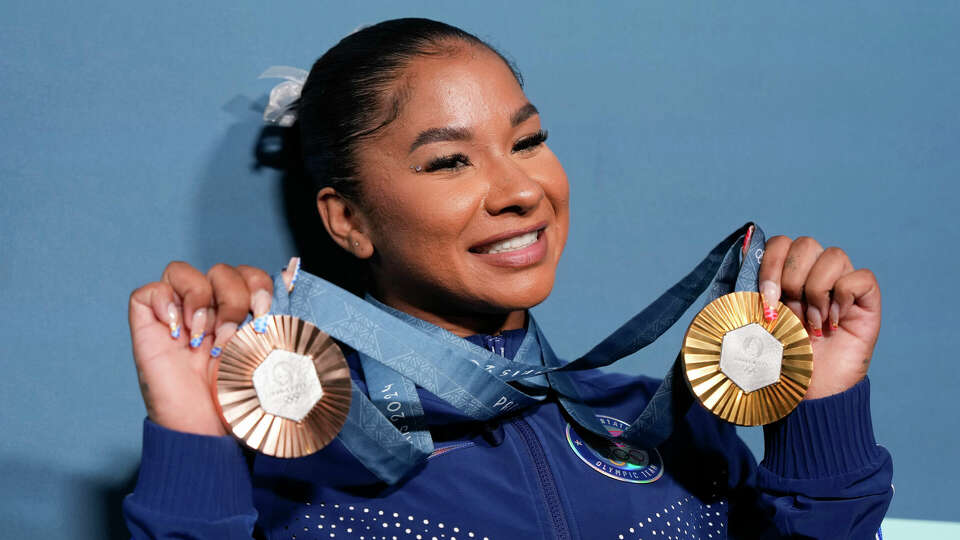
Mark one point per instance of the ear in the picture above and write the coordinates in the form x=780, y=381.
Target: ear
x=345, y=224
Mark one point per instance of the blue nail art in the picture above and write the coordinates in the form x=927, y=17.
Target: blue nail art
x=215, y=352
x=197, y=340
x=296, y=274
x=260, y=324
x=175, y=331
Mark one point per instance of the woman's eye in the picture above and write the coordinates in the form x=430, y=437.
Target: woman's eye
x=531, y=142
x=453, y=161
x=458, y=160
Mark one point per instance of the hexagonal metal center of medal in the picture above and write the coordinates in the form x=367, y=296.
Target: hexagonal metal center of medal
x=287, y=384
x=751, y=357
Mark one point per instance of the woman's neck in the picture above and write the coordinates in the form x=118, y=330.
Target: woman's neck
x=460, y=323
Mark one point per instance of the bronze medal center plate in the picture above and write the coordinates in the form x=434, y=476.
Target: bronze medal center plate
x=742, y=368
x=285, y=392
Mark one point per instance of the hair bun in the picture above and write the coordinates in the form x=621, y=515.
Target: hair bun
x=277, y=147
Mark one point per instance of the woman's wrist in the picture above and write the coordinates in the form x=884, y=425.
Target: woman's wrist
x=823, y=437
x=191, y=474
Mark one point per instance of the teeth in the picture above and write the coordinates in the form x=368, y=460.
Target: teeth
x=512, y=244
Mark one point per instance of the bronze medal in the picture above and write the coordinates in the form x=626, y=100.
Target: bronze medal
x=285, y=392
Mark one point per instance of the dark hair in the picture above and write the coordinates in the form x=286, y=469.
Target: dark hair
x=349, y=95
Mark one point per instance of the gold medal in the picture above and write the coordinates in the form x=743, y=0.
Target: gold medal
x=285, y=392
x=742, y=368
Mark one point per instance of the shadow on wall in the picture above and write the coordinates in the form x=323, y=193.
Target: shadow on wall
x=245, y=213
x=42, y=502
x=239, y=214
x=239, y=219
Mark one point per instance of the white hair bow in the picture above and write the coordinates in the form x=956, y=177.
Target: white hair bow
x=283, y=94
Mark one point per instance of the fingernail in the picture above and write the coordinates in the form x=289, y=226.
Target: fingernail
x=173, y=315
x=814, y=321
x=834, y=315
x=260, y=304
x=260, y=324
x=222, y=334
x=746, y=240
x=771, y=297
x=197, y=327
x=293, y=270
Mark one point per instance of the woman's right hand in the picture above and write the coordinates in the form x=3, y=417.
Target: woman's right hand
x=176, y=323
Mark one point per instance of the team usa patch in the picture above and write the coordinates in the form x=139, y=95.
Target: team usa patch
x=614, y=459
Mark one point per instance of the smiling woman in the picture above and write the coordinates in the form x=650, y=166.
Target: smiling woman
x=428, y=168
x=461, y=208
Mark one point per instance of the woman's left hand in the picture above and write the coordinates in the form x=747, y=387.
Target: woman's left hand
x=839, y=305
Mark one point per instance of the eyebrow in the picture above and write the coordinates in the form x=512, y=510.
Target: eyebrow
x=461, y=134
x=522, y=114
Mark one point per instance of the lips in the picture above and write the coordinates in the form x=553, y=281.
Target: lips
x=510, y=244
x=516, y=249
x=510, y=241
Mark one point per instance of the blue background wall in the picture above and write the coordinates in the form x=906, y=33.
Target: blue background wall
x=127, y=132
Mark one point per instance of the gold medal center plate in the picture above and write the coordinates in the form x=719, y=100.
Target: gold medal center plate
x=708, y=372
x=297, y=402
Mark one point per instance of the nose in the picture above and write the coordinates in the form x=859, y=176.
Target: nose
x=512, y=190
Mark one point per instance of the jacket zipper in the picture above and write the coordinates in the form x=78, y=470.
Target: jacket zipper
x=548, y=485
x=496, y=344
x=551, y=497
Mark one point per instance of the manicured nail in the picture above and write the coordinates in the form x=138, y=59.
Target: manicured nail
x=221, y=335
x=173, y=316
x=260, y=324
x=771, y=297
x=814, y=320
x=746, y=240
x=293, y=270
x=197, y=332
x=260, y=304
x=834, y=316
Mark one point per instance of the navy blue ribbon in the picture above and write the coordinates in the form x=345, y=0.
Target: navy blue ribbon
x=387, y=431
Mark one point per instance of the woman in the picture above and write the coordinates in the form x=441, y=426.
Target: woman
x=431, y=170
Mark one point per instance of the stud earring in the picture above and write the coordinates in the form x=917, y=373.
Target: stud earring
x=416, y=168
x=355, y=243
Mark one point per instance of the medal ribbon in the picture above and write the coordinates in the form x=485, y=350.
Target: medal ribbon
x=387, y=432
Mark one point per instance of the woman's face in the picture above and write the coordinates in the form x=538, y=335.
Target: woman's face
x=466, y=207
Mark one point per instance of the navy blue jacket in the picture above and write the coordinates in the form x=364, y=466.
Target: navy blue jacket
x=530, y=475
